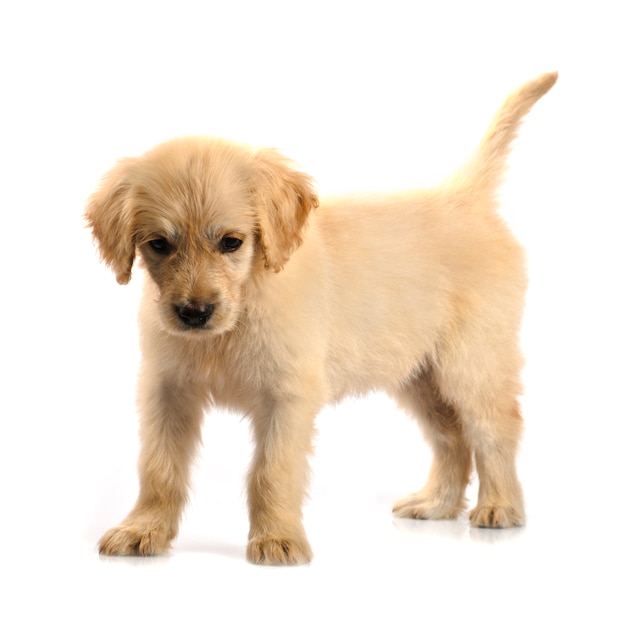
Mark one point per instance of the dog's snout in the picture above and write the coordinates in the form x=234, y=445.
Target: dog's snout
x=195, y=315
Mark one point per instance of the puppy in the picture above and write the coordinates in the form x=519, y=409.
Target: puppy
x=258, y=303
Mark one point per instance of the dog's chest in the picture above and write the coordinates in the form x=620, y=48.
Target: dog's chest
x=236, y=370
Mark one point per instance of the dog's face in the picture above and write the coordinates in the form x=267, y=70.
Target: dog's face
x=204, y=216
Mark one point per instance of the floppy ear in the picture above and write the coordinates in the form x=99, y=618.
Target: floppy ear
x=108, y=216
x=284, y=198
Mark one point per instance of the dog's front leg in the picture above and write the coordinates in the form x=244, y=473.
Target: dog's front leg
x=277, y=483
x=171, y=416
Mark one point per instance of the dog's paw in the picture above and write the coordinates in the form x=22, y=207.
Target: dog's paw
x=421, y=506
x=279, y=551
x=130, y=540
x=494, y=516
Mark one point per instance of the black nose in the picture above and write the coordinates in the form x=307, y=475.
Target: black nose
x=195, y=315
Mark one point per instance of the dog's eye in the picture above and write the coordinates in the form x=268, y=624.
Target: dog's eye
x=230, y=244
x=161, y=246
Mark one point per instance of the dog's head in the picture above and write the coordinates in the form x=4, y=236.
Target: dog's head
x=203, y=215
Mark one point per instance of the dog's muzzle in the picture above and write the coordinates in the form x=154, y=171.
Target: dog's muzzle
x=195, y=315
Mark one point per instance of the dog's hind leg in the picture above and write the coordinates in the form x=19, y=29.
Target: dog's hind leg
x=500, y=500
x=443, y=495
x=171, y=416
x=485, y=391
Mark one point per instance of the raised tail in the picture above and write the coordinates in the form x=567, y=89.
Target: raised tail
x=482, y=174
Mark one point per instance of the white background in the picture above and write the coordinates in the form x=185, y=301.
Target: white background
x=364, y=95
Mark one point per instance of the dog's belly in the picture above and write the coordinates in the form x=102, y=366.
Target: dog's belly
x=380, y=349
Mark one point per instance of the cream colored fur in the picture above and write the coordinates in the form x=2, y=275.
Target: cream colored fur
x=259, y=303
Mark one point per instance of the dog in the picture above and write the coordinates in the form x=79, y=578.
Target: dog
x=261, y=301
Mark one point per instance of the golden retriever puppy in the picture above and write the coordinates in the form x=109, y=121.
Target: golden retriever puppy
x=259, y=303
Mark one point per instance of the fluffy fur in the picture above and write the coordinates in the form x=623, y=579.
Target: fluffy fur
x=259, y=303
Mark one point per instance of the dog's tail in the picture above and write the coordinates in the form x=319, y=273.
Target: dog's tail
x=482, y=174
